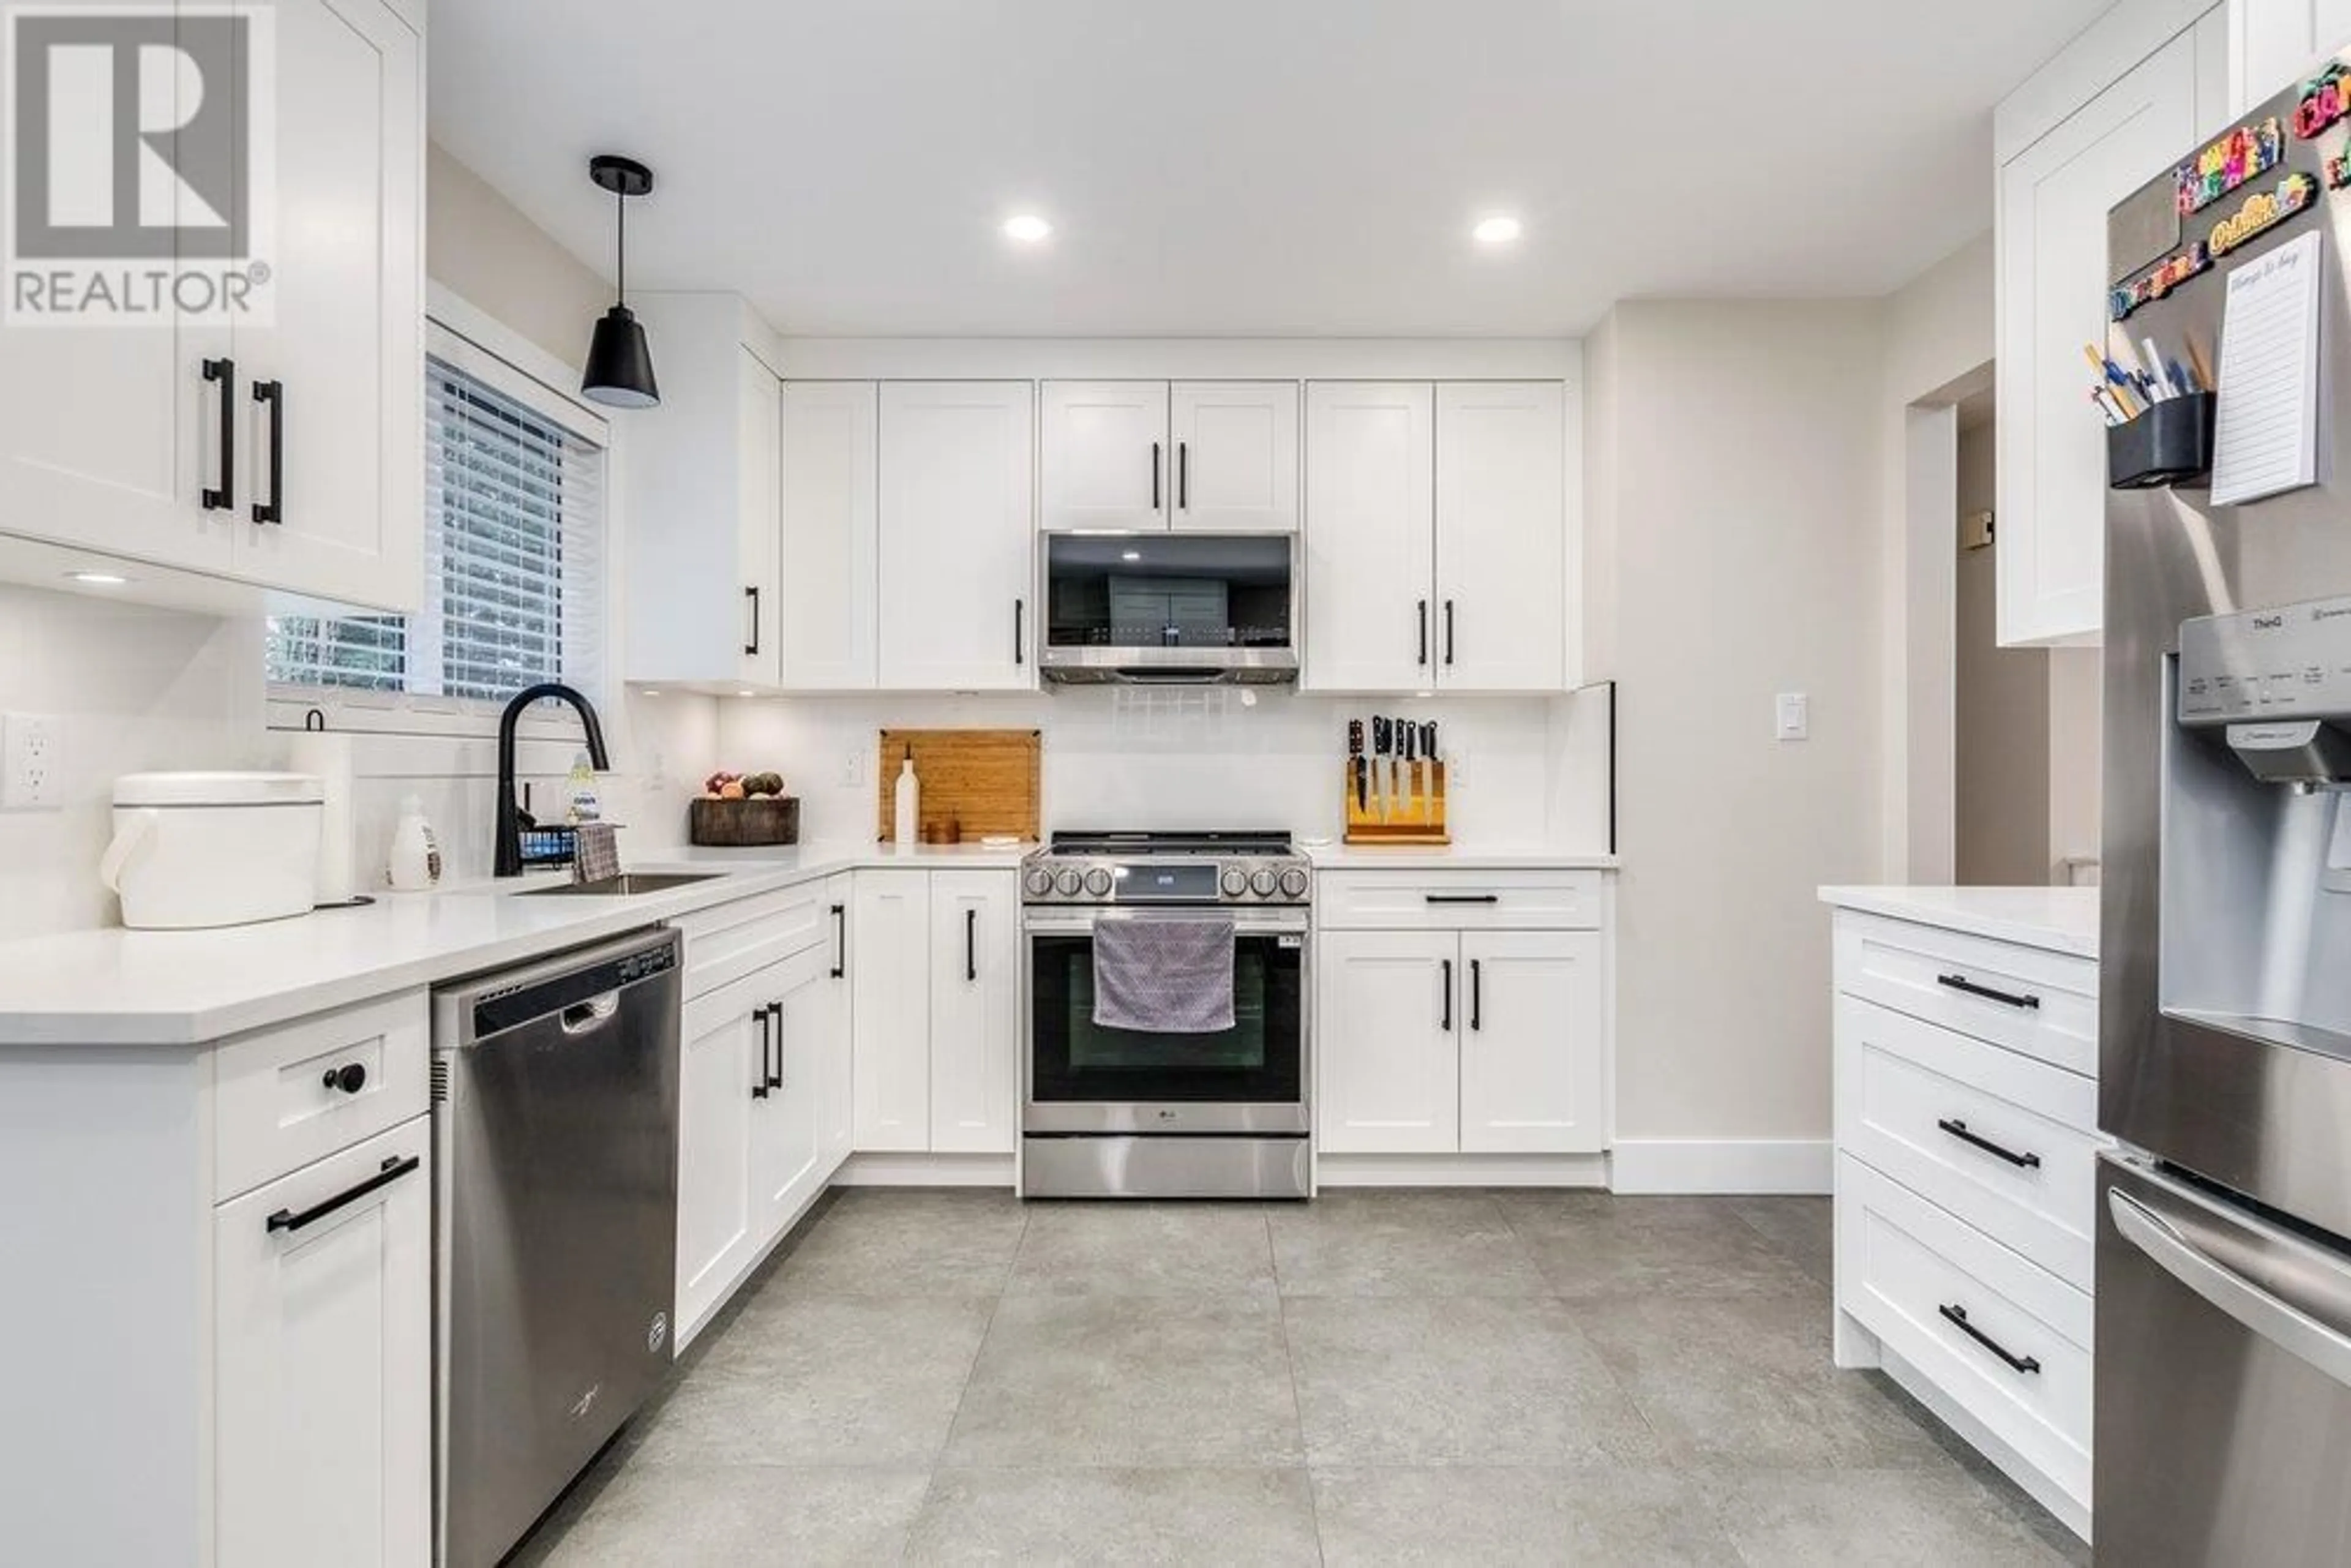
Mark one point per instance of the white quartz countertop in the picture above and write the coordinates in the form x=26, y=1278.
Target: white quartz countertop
x=1424, y=857
x=115, y=987
x=2060, y=919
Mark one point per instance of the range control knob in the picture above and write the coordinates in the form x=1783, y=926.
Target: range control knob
x=1233, y=883
x=1098, y=881
x=1262, y=882
x=1070, y=881
x=1293, y=883
x=1039, y=881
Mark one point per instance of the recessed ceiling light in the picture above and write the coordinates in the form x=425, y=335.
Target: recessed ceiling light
x=651, y=692
x=1027, y=227
x=1500, y=229
x=747, y=692
x=98, y=578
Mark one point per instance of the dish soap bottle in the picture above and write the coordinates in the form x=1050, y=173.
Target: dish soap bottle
x=414, y=864
x=909, y=807
x=579, y=788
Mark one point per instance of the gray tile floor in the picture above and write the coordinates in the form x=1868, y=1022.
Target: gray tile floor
x=1378, y=1377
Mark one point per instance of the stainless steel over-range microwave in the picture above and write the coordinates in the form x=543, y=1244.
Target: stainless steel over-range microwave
x=1170, y=609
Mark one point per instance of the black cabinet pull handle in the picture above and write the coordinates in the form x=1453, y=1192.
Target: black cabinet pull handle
x=775, y=1011
x=1959, y=1314
x=1959, y=1130
x=1020, y=642
x=1183, y=475
x=1154, y=476
x=1961, y=983
x=839, y=940
x=1445, y=1022
x=394, y=1168
x=971, y=945
x=274, y=394
x=1463, y=897
x=223, y=372
x=1424, y=633
x=350, y=1078
x=759, y=1079
x=751, y=592
x=1449, y=632
x=1477, y=995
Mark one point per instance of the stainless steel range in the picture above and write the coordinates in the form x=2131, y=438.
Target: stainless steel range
x=1113, y=1111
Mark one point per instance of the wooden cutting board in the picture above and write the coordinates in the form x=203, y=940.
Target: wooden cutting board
x=985, y=780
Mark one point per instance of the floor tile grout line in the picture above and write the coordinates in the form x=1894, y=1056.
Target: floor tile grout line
x=938, y=1459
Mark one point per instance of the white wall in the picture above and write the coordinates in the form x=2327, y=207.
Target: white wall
x=1737, y=447
x=2002, y=829
x=479, y=247
x=2075, y=752
x=1135, y=757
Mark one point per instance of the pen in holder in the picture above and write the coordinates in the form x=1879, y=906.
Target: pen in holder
x=2171, y=443
x=1411, y=815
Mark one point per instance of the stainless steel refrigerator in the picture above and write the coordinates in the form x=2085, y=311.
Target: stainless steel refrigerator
x=2224, y=1354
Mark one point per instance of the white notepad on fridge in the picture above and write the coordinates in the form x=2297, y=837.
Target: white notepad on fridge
x=2266, y=439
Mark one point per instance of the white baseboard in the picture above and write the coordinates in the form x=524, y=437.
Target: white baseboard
x=926, y=1170
x=1722, y=1166
x=1461, y=1170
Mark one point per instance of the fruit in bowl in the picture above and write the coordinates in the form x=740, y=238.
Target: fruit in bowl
x=726, y=786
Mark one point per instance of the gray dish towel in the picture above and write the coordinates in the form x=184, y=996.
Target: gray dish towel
x=1165, y=973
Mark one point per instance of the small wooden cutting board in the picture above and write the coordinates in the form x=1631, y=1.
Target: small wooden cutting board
x=985, y=780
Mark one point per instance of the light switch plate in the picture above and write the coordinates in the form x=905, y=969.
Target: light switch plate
x=28, y=761
x=1792, y=713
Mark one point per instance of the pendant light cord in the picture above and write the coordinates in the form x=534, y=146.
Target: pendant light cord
x=621, y=200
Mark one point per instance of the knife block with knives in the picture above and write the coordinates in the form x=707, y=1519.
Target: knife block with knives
x=1394, y=783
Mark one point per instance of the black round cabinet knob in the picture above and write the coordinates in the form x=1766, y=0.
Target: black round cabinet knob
x=350, y=1078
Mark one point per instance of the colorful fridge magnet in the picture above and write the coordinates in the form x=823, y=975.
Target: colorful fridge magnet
x=2247, y=153
x=2263, y=210
x=2174, y=270
x=2325, y=98
x=2338, y=168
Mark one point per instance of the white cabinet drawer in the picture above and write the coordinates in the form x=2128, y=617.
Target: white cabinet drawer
x=279, y=1098
x=1462, y=900
x=2006, y=1143
x=1910, y=1273
x=2040, y=1003
x=725, y=944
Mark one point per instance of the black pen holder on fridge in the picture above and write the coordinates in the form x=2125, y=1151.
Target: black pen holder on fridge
x=2170, y=443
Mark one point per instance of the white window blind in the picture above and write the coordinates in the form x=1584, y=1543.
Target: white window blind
x=514, y=562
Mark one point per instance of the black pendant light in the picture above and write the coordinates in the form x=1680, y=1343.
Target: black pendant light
x=620, y=366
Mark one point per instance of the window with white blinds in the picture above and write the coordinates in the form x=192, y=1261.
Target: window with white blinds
x=513, y=561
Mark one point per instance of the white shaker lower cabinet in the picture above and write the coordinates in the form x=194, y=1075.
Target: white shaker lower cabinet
x=1967, y=1144
x=1534, y=1069
x=323, y=1364
x=975, y=1012
x=934, y=962
x=890, y=943
x=957, y=495
x=1457, y=1019
x=836, y=1085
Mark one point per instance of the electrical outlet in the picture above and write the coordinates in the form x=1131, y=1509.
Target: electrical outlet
x=852, y=767
x=28, y=761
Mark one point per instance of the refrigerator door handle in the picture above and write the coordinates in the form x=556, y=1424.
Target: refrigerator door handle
x=2275, y=1320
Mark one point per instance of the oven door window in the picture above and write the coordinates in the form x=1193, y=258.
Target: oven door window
x=1258, y=1060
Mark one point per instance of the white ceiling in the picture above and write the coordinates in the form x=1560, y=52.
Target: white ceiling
x=1223, y=167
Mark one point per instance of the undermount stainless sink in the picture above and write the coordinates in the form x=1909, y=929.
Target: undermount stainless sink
x=628, y=884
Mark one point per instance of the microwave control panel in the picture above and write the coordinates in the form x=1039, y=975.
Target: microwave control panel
x=2290, y=662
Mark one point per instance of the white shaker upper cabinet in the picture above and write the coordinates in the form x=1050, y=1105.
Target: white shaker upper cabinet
x=957, y=498
x=2051, y=269
x=1501, y=544
x=1236, y=463
x=827, y=588
x=2276, y=43
x=1106, y=462
x=1370, y=535
x=330, y=423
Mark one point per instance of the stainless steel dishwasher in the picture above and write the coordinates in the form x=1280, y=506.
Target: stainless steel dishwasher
x=555, y=1225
